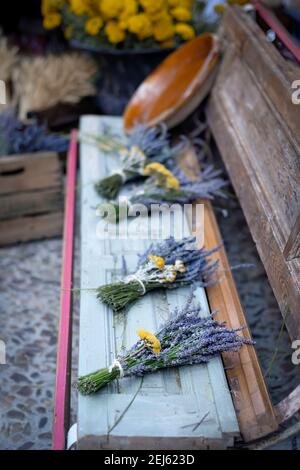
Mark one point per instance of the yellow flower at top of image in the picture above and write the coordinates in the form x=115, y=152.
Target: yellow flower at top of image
x=130, y=9
x=150, y=340
x=111, y=8
x=163, y=177
x=93, y=25
x=163, y=29
x=186, y=31
x=78, y=7
x=161, y=15
x=114, y=33
x=158, y=261
x=123, y=24
x=153, y=6
x=140, y=25
x=181, y=14
x=52, y=20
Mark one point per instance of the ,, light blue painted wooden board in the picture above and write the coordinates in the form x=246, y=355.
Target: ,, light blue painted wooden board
x=168, y=404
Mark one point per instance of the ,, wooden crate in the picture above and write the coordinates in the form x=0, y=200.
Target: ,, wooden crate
x=31, y=195
x=175, y=396
x=162, y=410
x=256, y=126
x=100, y=416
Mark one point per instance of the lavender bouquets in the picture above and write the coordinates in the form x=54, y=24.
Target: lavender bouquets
x=18, y=138
x=169, y=264
x=164, y=186
x=184, y=339
x=143, y=146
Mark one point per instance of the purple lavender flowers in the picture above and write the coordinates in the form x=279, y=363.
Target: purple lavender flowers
x=184, y=339
x=18, y=138
x=169, y=265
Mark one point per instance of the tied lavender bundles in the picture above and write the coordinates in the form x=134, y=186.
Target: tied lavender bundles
x=169, y=264
x=184, y=339
x=165, y=188
x=144, y=145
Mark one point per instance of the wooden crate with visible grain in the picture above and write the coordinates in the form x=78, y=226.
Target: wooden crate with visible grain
x=232, y=405
x=179, y=408
x=256, y=126
x=31, y=197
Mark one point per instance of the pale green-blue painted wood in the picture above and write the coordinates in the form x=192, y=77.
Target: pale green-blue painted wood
x=166, y=405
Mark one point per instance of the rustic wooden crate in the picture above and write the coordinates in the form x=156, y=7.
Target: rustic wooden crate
x=101, y=335
x=157, y=412
x=31, y=194
x=256, y=126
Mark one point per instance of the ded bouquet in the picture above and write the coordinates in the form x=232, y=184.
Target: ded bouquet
x=166, y=187
x=125, y=24
x=170, y=264
x=144, y=145
x=184, y=339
